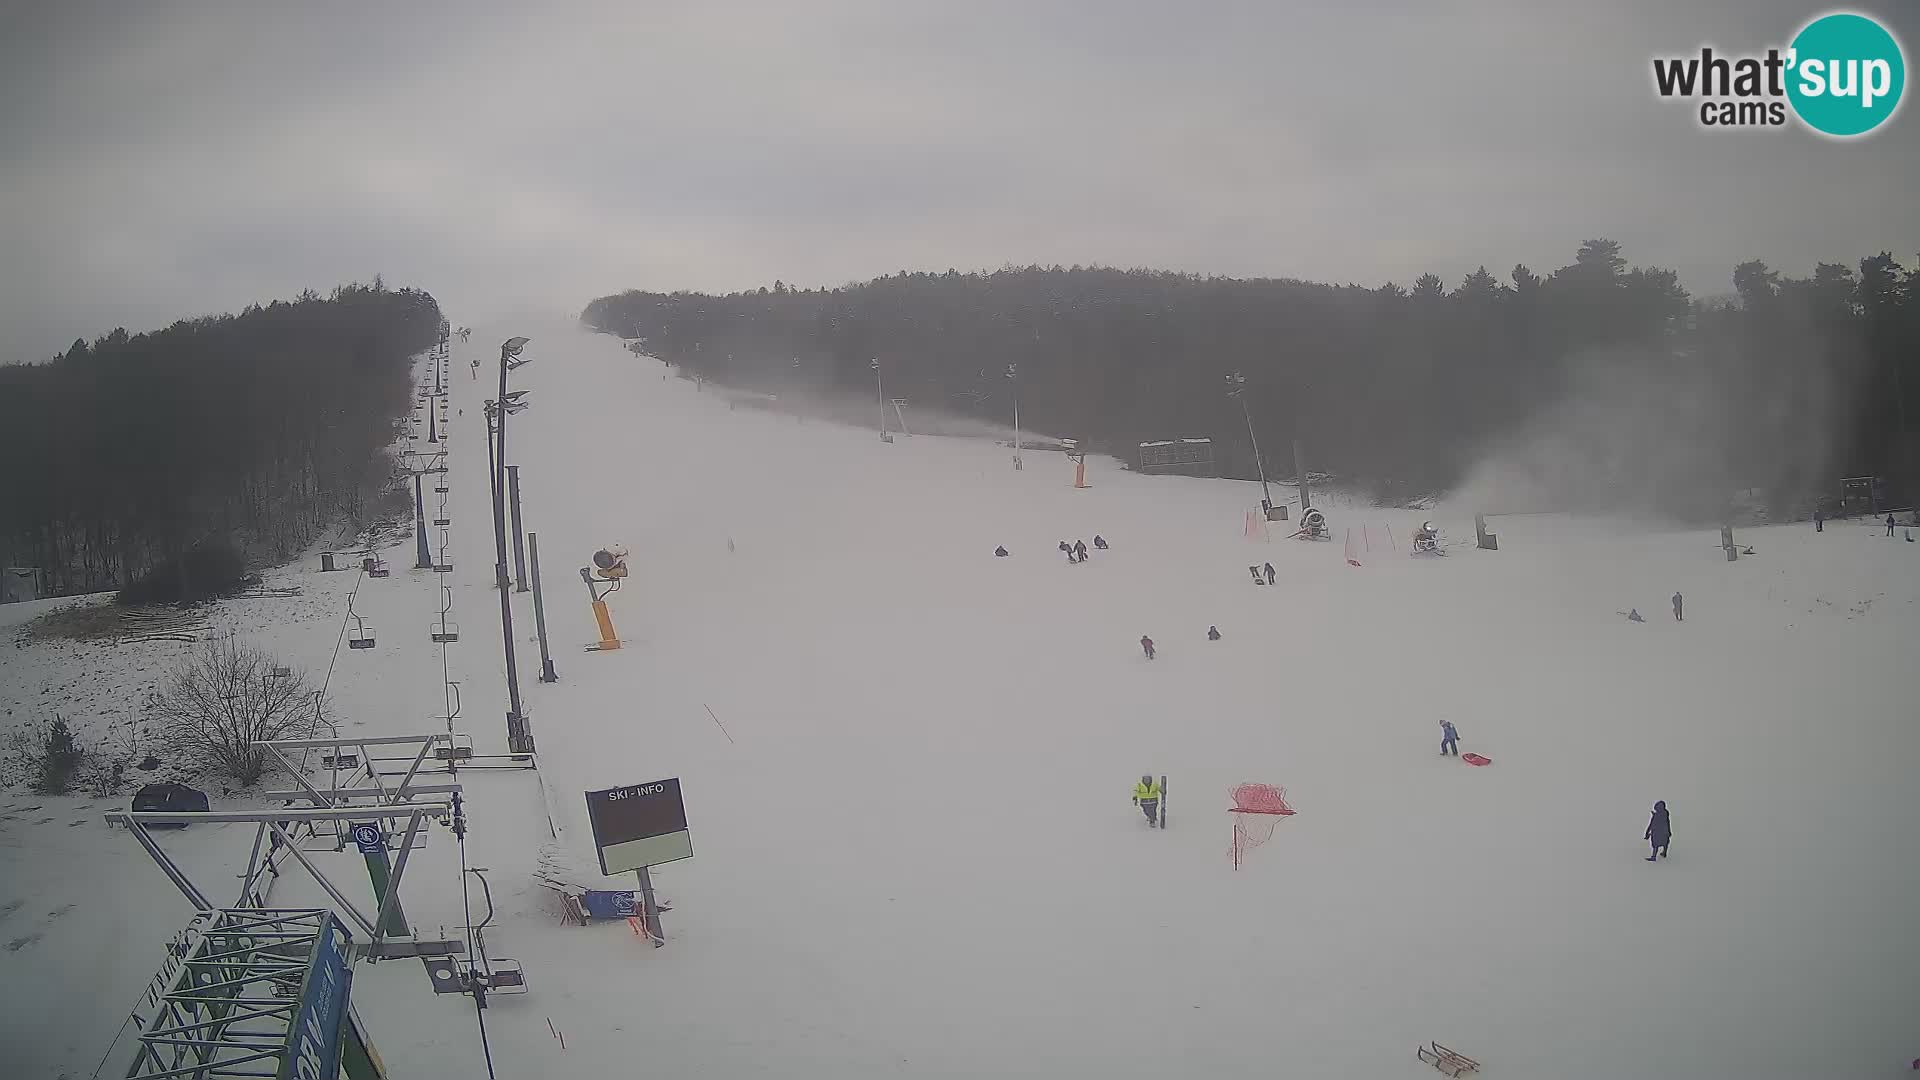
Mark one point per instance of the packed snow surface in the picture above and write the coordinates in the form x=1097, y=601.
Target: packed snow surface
x=907, y=767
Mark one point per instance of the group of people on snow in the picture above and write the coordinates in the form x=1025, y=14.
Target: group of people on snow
x=1820, y=522
x=1633, y=614
x=1077, y=551
x=1146, y=643
x=1148, y=793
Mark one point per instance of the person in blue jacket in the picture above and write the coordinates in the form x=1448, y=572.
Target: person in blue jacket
x=1449, y=738
x=1659, y=831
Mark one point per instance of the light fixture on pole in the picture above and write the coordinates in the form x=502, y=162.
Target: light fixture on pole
x=881, y=388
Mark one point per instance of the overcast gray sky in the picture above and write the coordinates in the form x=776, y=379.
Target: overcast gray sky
x=166, y=159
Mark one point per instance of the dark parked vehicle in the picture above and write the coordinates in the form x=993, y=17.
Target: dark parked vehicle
x=170, y=798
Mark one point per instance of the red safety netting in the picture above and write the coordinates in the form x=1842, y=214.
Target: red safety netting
x=1256, y=809
x=1260, y=799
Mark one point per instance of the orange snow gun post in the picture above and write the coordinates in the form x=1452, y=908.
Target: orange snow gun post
x=603, y=580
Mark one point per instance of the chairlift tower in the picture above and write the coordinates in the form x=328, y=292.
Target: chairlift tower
x=252, y=992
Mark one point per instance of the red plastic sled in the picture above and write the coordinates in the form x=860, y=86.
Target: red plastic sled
x=1476, y=759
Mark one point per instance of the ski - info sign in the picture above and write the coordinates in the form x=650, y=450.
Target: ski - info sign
x=639, y=825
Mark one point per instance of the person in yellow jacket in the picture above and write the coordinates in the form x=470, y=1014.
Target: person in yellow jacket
x=1146, y=796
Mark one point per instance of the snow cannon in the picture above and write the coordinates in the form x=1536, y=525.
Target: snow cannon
x=1427, y=540
x=1313, y=525
x=610, y=568
x=610, y=563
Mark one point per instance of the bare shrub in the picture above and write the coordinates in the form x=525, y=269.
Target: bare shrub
x=224, y=697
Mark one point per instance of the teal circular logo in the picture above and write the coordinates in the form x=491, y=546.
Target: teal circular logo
x=1846, y=75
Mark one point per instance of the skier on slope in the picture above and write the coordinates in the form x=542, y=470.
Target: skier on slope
x=1099, y=542
x=1146, y=796
x=1677, y=617
x=1213, y=633
x=1080, y=549
x=1146, y=645
x=1269, y=571
x=1889, y=524
x=1659, y=831
x=1449, y=739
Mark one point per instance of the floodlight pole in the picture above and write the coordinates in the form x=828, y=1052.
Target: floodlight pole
x=880, y=388
x=1014, y=378
x=492, y=473
x=1237, y=388
x=519, y=739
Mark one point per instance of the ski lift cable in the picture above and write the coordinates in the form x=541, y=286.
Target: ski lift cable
x=333, y=660
x=466, y=913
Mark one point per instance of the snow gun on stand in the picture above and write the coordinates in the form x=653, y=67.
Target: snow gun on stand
x=1427, y=540
x=603, y=579
x=1313, y=526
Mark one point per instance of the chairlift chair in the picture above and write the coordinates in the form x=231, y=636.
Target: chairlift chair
x=446, y=630
x=507, y=976
x=361, y=635
x=375, y=566
x=459, y=748
x=498, y=974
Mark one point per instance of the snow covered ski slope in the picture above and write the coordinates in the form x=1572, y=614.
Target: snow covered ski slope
x=916, y=857
x=915, y=852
